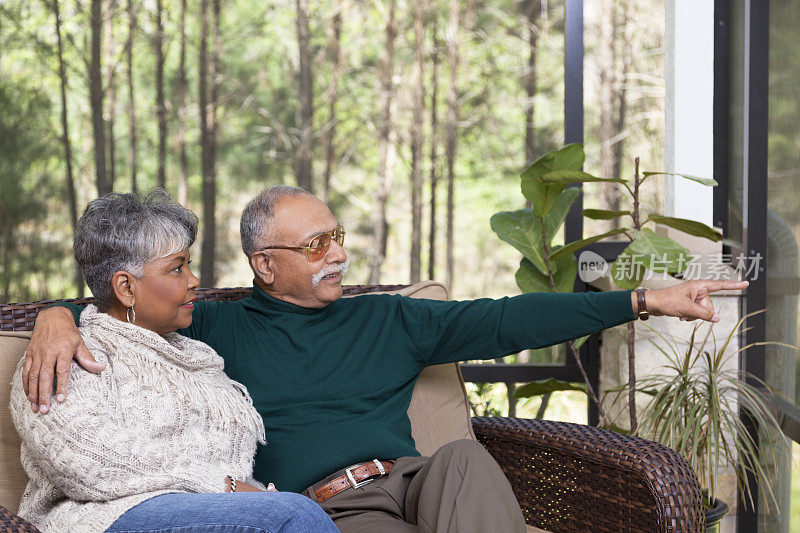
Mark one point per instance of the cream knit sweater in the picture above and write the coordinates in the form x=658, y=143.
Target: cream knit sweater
x=162, y=417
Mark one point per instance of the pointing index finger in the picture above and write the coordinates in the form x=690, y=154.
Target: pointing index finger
x=724, y=285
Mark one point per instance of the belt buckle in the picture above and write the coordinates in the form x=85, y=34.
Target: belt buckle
x=349, y=473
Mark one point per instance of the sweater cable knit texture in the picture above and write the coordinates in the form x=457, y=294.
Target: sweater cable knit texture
x=162, y=417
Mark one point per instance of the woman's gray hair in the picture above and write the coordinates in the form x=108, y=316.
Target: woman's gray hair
x=255, y=228
x=125, y=231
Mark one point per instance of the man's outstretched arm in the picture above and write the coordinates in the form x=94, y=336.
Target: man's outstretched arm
x=445, y=332
x=54, y=343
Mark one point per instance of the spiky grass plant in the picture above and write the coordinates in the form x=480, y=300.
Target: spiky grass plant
x=695, y=409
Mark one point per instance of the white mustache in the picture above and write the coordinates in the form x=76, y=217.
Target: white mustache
x=328, y=270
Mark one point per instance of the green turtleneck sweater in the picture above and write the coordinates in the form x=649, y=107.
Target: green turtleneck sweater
x=333, y=384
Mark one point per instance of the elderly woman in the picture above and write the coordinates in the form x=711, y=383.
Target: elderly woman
x=162, y=440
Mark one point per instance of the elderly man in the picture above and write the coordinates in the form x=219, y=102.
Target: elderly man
x=332, y=378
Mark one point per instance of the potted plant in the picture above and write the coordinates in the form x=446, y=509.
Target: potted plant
x=549, y=267
x=694, y=408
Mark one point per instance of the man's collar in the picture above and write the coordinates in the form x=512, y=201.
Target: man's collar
x=270, y=302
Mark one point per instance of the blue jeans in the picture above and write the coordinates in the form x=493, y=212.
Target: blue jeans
x=245, y=512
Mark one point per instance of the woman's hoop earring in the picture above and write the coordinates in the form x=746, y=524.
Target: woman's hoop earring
x=128, y=313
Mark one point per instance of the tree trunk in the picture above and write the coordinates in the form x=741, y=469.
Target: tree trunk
x=71, y=195
x=183, y=177
x=434, y=143
x=334, y=40
x=131, y=101
x=303, y=167
x=208, y=130
x=96, y=99
x=386, y=145
x=417, y=109
x=112, y=94
x=606, y=129
x=452, y=137
x=533, y=10
x=161, y=110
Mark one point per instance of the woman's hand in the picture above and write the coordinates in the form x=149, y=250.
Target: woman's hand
x=241, y=486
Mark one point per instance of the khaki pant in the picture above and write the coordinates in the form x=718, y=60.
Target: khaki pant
x=460, y=489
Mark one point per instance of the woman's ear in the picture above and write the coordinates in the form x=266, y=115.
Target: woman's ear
x=123, y=284
x=263, y=267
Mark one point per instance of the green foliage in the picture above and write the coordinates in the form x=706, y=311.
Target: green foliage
x=529, y=279
x=574, y=246
x=481, y=400
x=626, y=272
x=695, y=404
x=547, y=267
x=544, y=184
x=648, y=251
x=656, y=252
x=692, y=227
x=574, y=176
x=522, y=230
x=259, y=127
x=703, y=181
x=541, y=194
x=547, y=386
x=25, y=149
x=604, y=214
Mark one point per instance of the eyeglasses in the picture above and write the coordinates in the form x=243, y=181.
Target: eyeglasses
x=318, y=246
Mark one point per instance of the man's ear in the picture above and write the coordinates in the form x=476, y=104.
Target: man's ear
x=123, y=284
x=263, y=266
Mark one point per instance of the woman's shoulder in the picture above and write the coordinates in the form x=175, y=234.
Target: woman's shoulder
x=95, y=342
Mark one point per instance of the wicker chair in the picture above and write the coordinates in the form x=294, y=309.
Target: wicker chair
x=567, y=477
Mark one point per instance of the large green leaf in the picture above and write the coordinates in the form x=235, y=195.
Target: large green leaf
x=529, y=279
x=574, y=176
x=658, y=253
x=603, y=214
x=703, y=181
x=580, y=341
x=543, y=195
x=522, y=230
x=577, y=245
x=692, y=227
x=625, y=272
x=565, y=274
x=648, y=251
x=558, y=213
x=545, y=386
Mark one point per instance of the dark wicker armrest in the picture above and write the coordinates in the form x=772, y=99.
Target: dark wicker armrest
x=11, y=523
x=569, y=477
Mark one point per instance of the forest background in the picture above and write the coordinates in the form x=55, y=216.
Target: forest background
x=411, y=118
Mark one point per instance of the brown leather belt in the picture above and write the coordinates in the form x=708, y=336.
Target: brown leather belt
x=353, y=476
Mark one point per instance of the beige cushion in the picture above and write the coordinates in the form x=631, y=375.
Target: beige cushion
x=439, y=410
x=12, y=346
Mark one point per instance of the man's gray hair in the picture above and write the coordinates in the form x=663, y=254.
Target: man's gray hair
x=125, y=231
x=255, y=226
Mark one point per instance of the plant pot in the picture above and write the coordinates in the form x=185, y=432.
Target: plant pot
x=714, y=516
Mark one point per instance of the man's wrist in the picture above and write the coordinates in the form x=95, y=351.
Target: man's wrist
x=75, y=310
x=55, y=313
x=55, y=310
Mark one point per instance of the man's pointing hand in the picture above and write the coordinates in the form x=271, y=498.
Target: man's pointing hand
x=688, y=301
